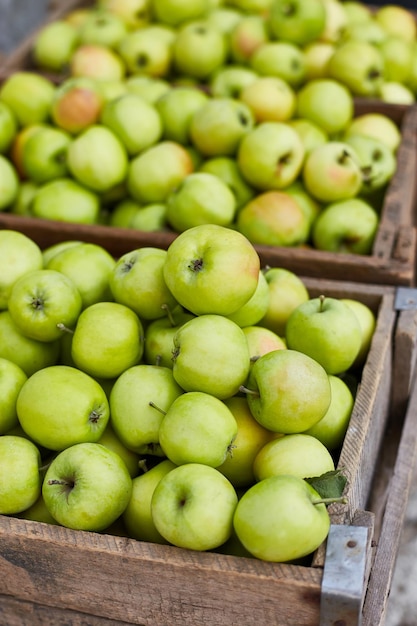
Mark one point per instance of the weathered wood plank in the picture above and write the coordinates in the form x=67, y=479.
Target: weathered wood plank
x=396, y=488
x=142, y=583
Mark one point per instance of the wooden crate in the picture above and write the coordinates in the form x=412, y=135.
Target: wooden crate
x=392, y=260
x=50, y=575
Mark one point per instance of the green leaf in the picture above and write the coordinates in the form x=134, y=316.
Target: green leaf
x=329, y=485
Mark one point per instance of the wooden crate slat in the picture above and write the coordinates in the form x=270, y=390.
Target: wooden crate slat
x=144, y=583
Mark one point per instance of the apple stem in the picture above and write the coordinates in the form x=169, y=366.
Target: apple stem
x=56, y=481
x=169, y=314
x=143, y=465
x=64, y=328
x=322, y=299
x=341, y=500
x=155, y=406
x=250, y=392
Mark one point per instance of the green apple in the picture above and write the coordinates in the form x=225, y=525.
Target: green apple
x=133, y=399
x=396, y=93
x=397, y=53
x=19, y=467
x=134, y=13
x=298, y=454
x=134, y=121
x=149, y=88
x=297, y=21
x=107, y=340
x=12, y=378
x=273, y=218
x=211, y=355
x=66, y=200
x=22, y=204
x=176, y=12
x=102, y=27
x=287, y=391
x=281, y=518
x=76, y=16
x=16, y=149
x=327, y=330
x=331, y=429
x=8, y=127
x=327, y=103
x=197, y=428
x=271, y=155
x=38, y=512
x=317, y=55
x=55, y=248
x=255, y=308
x=97, y=159
x=251, y=6
x=44, y=154
x=247, y=35
x=346, y=226
x=54, y=45
x=270, y=98
x=367, y=30
x=176, y=107
x=397, y=21
x=110, y=440
x=137, y=516
x=377, y=125
x=332, y=172
x=286, y=291
x=229, y=81
x=199, y=49
x=359, y=65
x=201, y=198
x=377, y=160
x=144, y=53
x=87, y=487
x=193, y=505
x=29, y=96
x=211, y=269
x=9, y=183
x=280, y=58
x=228, y=171
x=224, y=17
x=77, y=411
x=97, y=61
x=41, y=301
x=137, y=281
x=336, y=21
x=89, y=266
x=357, y=12
x=131, y=214
x=250, y=438
x=159, y=337
x=19, y=254
x=77, y=104
x=262, y=340
x=155, y=172
x=29, y=354
x=217, y=127
x=309, y=205
x=112, y=89
x=367, y=322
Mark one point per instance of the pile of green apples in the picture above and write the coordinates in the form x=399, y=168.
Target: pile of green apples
x=285, y=162
x=184, y=396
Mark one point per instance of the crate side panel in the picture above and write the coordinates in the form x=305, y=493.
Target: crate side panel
x=141, y=583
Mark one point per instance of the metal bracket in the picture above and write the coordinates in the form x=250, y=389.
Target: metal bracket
x=405, y=299
x=343, y=592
